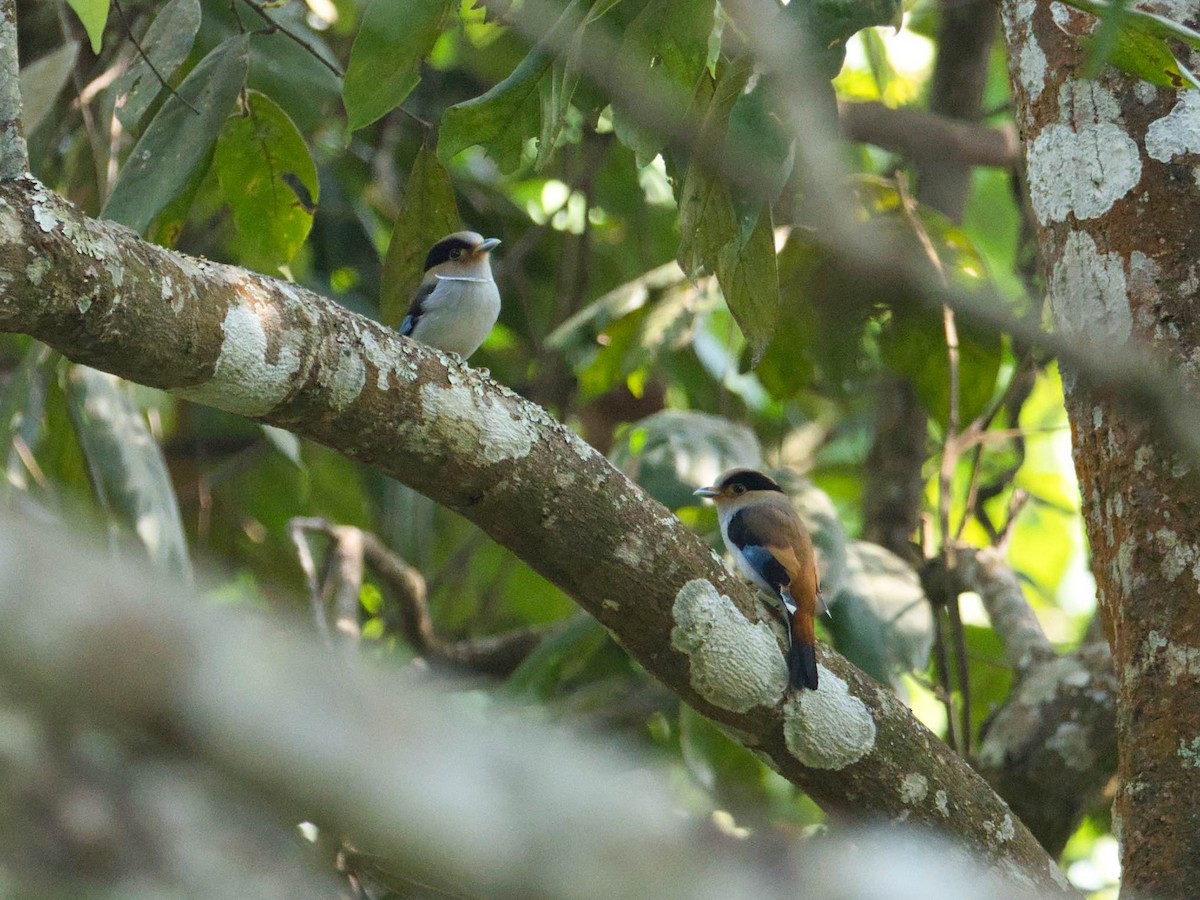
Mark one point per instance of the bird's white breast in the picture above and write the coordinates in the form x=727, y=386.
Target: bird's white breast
x=459, y=314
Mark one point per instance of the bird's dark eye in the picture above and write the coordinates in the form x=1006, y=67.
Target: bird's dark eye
x=455, y=253
x=739, y=489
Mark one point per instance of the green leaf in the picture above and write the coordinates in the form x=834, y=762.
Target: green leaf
x=285, y=442
x=178, y=138
x=707, y=219
x=914, y=344
x=1143, y=56
x=22, y=407
x=94, y=16
x=567, y=646
x=668, y=38
x=128, y=473
x=385, y=61
x=881, y=619
x=428, y=213
x=501, y=119
x=43, y=80
x=269, y=181
x=557, y=91
x=753, y=123
x=673, y=452
x=727, y=770
x=167, y=43
x=749, y=280
x=1139, y=20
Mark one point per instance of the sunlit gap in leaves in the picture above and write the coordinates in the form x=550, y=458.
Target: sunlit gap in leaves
x=889, y=65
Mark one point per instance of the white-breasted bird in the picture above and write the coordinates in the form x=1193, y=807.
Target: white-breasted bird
x=458, y=302
x=771, y=547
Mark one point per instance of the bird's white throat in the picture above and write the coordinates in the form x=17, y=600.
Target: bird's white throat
x=462, y=278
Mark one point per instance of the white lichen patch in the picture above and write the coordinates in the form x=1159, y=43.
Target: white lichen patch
x=1176, y=133
x=942, y=801
x=1085, y=164
x=89, y=240
x=828, y=728
x=45, y=217
x=1189, y=752
x=914, y=788
x=37, y=269
x=1003, y=831
x=249, y=379
x=1178, y=556
x=1087, y=292
x=1030, y=67
x=735, y=664
x=388, y=364
x=470, y=422
x=348, y=378
x=629, y=551
x=11, y=231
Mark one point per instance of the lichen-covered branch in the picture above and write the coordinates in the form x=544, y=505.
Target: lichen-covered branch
x=987, y=573
x=262, y=348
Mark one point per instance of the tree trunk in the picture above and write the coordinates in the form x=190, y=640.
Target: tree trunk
x=1113, y=186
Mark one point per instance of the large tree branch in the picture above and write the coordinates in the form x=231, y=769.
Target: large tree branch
x=275, y=352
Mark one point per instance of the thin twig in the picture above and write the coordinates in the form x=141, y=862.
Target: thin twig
x=950, y=457
x=272, y=25
x=146, y=58
x=296, y=529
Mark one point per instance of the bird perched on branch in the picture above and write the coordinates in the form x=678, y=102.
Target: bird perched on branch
x=457, y=303
x=773, y=549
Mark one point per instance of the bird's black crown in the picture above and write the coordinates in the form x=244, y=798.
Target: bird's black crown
x=443, y=250
x=750, y=479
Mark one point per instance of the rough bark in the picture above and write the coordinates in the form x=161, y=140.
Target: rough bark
x=277, y=353
x=1050, y=749
x=1110, y=166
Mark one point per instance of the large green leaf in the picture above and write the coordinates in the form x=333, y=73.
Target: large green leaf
x=428, y=213
x=502, y=119
x=179, y=137
x=749, y=279
x=94, y=16
x=707, y=220
x=1144, y=56
x=718, y=233
x=668, y=38
x=557, y=91
x=385, y=60
x=881, y=620
x=167, y=43
x=128, y=473
x=269, y=181
x=43, y=80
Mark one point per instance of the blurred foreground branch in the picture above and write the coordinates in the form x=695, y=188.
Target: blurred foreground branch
x=148, y=735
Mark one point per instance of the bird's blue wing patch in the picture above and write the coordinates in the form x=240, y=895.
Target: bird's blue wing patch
x=409, y=325
x=766, y=565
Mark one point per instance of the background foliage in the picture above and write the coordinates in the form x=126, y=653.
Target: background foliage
x=681, y=319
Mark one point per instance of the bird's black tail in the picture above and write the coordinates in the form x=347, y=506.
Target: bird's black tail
x=802, y=665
